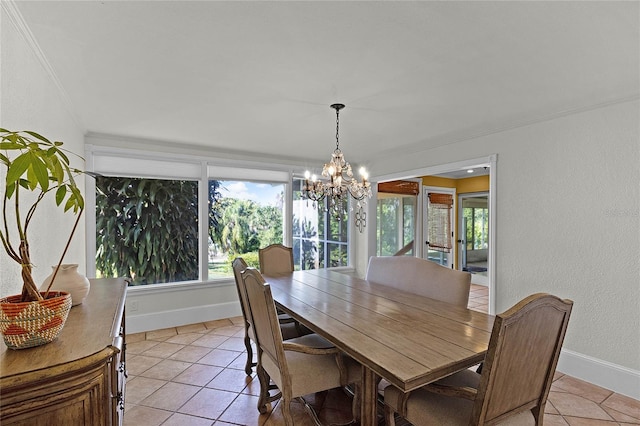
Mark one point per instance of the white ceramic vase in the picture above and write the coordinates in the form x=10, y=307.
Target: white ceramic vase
x=69, y=280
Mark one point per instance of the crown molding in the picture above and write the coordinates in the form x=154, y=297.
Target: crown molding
x=15, y=17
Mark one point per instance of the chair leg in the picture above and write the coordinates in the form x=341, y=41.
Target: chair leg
x=264, y=399
x=248, y=367
x=286, y=411
x=389, y=416
x=312, y=413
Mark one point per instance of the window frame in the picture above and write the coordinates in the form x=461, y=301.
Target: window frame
x=116, y=161
x=325, y=239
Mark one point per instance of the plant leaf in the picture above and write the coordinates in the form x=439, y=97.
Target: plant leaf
x=18, y=167
x=38, y=136
x=60, y=193
x=10, y=189
x=40, y=171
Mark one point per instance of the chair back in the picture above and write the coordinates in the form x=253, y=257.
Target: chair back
x=422, y=277
x=275, y=259
x=522, y=357
x=239, y=265
x=264, y=319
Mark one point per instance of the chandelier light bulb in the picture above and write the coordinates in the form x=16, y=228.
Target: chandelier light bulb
x=307, y=174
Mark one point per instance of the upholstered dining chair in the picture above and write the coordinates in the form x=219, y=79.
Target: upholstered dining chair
x=299, y=366
x=514, y=384
x=275, y=259
x=422, y=277
x=289, y=328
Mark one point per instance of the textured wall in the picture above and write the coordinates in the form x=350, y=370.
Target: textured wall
x=31, y=101
x=568, y=220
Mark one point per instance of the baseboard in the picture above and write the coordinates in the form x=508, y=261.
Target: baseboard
x=178, y=317
x=610, y=376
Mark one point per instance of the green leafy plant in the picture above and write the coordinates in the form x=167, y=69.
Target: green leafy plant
x=37, y=165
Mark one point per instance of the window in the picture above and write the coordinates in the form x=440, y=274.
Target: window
x=147, y=229
x=320, y=239
x=476, y=217
x=396, y=214
x=396, y=225
x=244, y=216
x=173, y=220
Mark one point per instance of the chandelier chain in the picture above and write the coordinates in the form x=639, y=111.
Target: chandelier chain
x=337, y=128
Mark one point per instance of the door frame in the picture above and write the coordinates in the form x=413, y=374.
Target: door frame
x=491, y=161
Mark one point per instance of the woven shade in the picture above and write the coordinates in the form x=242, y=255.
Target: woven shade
x=403, y=187
x=439, y=220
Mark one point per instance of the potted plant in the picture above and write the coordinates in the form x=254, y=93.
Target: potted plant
x=35, y=165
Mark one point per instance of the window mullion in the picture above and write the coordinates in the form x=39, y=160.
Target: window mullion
x=203, y=221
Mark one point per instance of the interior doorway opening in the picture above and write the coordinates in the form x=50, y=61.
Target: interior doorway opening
x=473, y=231
x=485, y=166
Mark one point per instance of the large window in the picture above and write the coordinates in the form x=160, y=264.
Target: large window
x=320, y=239
x=165, y=220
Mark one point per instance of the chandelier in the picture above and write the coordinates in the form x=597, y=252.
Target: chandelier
x=339, y=183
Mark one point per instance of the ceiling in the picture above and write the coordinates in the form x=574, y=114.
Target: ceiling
x=259, y=77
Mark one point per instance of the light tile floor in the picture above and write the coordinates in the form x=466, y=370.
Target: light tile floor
x=194, y=375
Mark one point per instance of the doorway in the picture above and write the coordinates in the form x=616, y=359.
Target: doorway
x=489, y=165
x=473, y=232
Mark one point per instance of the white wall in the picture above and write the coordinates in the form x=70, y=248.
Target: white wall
x=30, y=100
x=568, y=214
x=170, y=305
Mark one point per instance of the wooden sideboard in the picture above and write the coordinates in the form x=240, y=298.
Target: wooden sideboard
x=79, y=378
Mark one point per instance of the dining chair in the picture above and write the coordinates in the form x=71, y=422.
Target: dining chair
x=422, y=277
x=514, y=384
x=288, y=327
x=275, y=259
x=300, y=366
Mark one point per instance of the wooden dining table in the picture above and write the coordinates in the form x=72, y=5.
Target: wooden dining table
x=408, y=340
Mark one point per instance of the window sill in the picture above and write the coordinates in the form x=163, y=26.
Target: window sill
x=179, y=286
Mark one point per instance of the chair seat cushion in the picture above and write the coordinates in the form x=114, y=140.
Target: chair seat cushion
x=428, y=408
x=312, y=373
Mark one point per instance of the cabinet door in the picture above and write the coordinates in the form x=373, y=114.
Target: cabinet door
x=77, y=401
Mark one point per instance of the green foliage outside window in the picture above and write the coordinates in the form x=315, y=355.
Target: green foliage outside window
x=147, y=229
x=477, y=226
x=396, y=224
x=242, y=226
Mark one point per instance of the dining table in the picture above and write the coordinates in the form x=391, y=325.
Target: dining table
x=406, y=339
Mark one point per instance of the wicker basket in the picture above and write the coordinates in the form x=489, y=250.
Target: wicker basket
x=28, y=324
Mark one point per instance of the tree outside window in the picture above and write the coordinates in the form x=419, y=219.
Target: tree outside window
x=147, y=229
x=243, y=217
